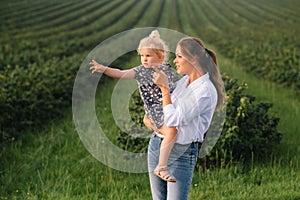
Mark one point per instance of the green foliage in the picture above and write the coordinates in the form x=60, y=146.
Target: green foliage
x=33, y=94
x=265, y=57
x=41, y=38
x=258, y=35
x=50, y=34
x=136, y=141
x=39, y=61
x=249, y=128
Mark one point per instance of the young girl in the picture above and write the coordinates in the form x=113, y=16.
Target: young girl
x=154, y=55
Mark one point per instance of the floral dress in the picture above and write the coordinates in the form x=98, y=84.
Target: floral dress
x=151, y=93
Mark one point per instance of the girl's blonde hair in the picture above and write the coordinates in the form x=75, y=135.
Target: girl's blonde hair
x=154, y=42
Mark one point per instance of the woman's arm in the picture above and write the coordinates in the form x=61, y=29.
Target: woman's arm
x=187, y=109
x=112, y=72
x=189, y=106
x=150, y=124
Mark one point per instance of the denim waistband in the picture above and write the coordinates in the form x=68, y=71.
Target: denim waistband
x=161, y=138
x=155, y=135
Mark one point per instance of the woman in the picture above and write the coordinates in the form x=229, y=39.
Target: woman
x=190, y=109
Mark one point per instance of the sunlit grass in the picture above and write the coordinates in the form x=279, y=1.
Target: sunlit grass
x=272, y=181
x=54, y=164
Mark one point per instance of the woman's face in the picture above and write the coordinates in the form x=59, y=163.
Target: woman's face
x=149, y=58
x=183, y=65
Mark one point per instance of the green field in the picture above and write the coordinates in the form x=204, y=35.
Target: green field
x=43, y=44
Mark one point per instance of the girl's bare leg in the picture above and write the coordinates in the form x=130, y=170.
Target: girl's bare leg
x=166, y=144
x=165, y=149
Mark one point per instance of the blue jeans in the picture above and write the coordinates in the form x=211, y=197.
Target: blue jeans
x=181, y=164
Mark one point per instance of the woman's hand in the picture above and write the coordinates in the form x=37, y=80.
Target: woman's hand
x=161, y=79
x=96, y=67
x=149, y=123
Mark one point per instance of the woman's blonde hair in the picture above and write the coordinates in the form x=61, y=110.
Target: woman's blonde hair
x=154, y=42
x=193, y=49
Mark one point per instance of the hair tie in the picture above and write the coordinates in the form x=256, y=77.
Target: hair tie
x=206, y=52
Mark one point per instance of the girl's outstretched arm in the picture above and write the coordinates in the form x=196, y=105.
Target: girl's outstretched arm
x=112, y=72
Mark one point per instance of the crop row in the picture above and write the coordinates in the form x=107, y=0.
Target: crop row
x=72, y=21
x=61, y=15
x=22, y=13
x=268, y=51
x=17, y=9
x=43, y=42
x=65, y=44
x=32, y=69
x=285, y=9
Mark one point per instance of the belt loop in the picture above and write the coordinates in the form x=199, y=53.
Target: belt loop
x=193, y=144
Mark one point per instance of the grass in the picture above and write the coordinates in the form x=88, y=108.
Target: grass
x=262, y=182
x=54, y=164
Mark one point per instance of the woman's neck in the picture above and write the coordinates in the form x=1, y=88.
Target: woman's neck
x=194, y=76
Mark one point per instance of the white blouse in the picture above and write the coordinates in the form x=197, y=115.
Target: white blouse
x=192, y=108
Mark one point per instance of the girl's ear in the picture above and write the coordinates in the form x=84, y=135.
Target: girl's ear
x=161, y=56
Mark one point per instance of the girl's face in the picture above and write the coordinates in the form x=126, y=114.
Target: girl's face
x=149, y=58
x=183, y=65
